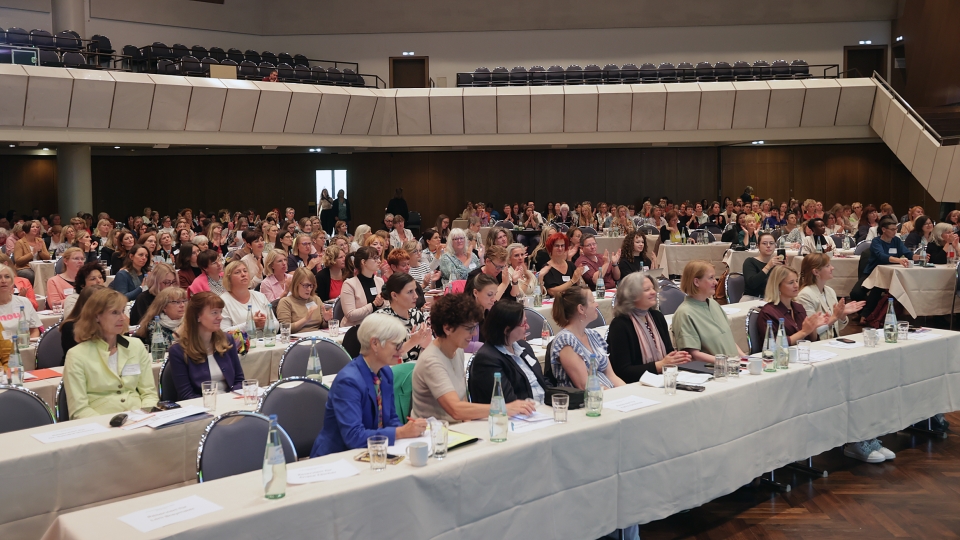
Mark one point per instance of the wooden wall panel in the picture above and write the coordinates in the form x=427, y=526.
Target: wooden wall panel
x=929, y=34
x=28, y=182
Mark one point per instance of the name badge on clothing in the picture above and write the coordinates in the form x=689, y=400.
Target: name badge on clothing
x=67, y=292
x=130, y=369
x=373, y=291
x=530, y=360
x=472, y=266
x=566, y=279
x=311, y=305
x=892, y=251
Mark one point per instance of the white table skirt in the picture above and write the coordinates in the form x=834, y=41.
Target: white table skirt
x=580, y=479
x=42, y=270
x=673, y=258
x=922, y=291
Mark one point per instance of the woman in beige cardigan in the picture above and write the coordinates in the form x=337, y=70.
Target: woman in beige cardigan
x=360, y=295
x=30, y=247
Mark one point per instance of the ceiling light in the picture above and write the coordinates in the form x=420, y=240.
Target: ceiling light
x=899, y=38
x=46, y=149
x=408, y=53
x=867, y=42
x=116, y=147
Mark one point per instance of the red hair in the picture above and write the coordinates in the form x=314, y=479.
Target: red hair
x=553, y=239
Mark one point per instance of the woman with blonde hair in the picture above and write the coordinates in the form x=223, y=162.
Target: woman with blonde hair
x=161, y=277
x=62, y=285
x=783, y=287
x=540, y=255
x=169, y=305
x=497, y=236
x=516, y=259
x=275, y=267
x=359, y=237
x=623, y=220
x=817, y=297
x=301, y=307
x=457, y=261
x=237, y=297
x=330, y=280
x=700, y=326
x=57, y=244
x=204, y=352
x=29, y=248
x=164, y=252
x=303, y=256
x=106, y=373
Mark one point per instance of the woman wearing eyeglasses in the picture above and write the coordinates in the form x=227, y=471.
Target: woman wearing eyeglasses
x=457, y=261
x=162, y=277
x=360, y=295
x=302, y=308
x=169, y=305
x=361, y=404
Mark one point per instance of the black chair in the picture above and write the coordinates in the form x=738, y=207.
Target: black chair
x=265, y=68
x=705, y=72
x=648, y=73
x=670, y=298
x=18, y=36
x=285, y=73
x=42, y=39
x=248, y=71
x=734, y=287
x=338, y=310
x=22, y=409
x=587, y=230
x=3, y=35
x=861, y=247
x=67, y=41
x=573, y=74
x=167, y=390
x=723, y=71
x=285, y=58
x=218, y=54
x=102, y=46
x=780, y=70
x=349, y=77
x=75, y=60
x=199, y=52
x=754, y=336
x=301, y=72
x=233, y=443
x=50, y=351
x=318, y=74
x=611, y=74
x=481, y=77
x=686, y=72
x=519, y=76
x=742, y=71
x=334, y=76
x=297, y=402
x=667, y=73
x=267, y=56
x=414, y=221
x=799, y=69
x=598, y=322
x=537, y=323
x=592, y=74
x=206, y=63
x=157, y=51
x=555, y=75
x=501, y=77
x=63, y=414
x=50, y=58
x=235, y=55
x=252, y=56
x=293, y=363
x=135, y=60
x=629, y=74
x=350, y=341
x=179, y=50
x=761, y=70
x=361, y=82
x=301, y=59
x=189, y=65
x=537, y=76
x=165, y=66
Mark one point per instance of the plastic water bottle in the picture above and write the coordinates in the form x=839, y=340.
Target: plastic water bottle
x=769, y=349
x=158, y=344
x=15, y=365
x=890, y=323
x=270, y=328
x=782, y=241
x=846, y=241
x=922, y=260
x=783, y=347
x=314, y=369
x=23, y=330
x=593, y=396
x=251, y=327
x=274, y=464
x=537, y=293
x=601, y=286
x=498, y=412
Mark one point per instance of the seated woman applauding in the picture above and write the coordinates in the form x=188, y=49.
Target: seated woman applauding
x=560, y=274
x=439, y=385
x=107, y=373
x=169, y=305
x=275, y=267
x=634, y=254
x=401, y=290
x=129, y=280
x=639, y=337
x=700, y=326
x=237, y=297
x=674, y=231
x=204, y=352
x=302, y=308
x=572, y=348
x=505, y=352
x=11, y=306
x=757, y=269
x=361, y=294
x=817, y=297
x=162, y=277
x=211, y=278
x=360, y=403
x=783, y=286
x=62, y=285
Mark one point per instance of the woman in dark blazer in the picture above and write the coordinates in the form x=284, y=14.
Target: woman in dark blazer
x=201, y=338
x=639, y=339
x=504, y=329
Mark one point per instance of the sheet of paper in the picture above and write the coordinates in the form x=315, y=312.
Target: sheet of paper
x=399, y=447
x=817, y=355
x=159, y=419
x=28, y=376
x=730, y=310
x=629, y=403
x=687, y=377
x=321, y=473
x=170, y=513
x=840, y=345
x=69, y=433
x=523, y=427
x=922, y=336
x=651, y=379
x=536, y=342
x=535, y=416
x=260, y=391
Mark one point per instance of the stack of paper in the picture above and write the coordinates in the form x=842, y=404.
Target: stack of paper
x=683, y=377
x=528, y=422
x=321, y=473
x=629, y=403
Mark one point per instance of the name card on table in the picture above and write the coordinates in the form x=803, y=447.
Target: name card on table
x=629, y=403
x=321, y=473
x=69, y=433
x=170, y=513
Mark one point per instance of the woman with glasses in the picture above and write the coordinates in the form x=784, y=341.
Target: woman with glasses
x=170, y=305
x=504, y=351
x=361, y=403
x=886, y=248
x=162, y=277
x=361, y=294
x=458, y=261
x=560, y=274
x=302, y=308
x=757, y=269
x=401, y=293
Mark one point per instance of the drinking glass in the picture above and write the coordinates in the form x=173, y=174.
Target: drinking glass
x=250, y=389
x=209, y=389
x=438, y=433
x=284, y=333
x=333, y=328
x=903, y=328
x=377, y=450
x=670, y=380
x=870, y=337
x=803, y=351
x=753, y=246
x=560, y=404
x=720, y=368
x=733, y=367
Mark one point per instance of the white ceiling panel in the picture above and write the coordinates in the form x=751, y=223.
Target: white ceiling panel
x=132, y=100
x=92, y=99
x=820, y=102
x=909, y=135
x=856, y=101
x=446, y=111
x=304, y=104
x=923, y=159
x=385, y=115
x=413, y=111
x=751, y=105
x=240, y=108
x=649, y=107
x=683, y=107
x=48, y=97
x=546, y=109
x=513, y=109
x=716, y=105
x=786, y=104
x=333, y=110
x=615, y=107
x=13, y=88
x=363, y=102
x=580, y=109
x=206, y=104
x=171, y=100
x=893, y=126
x=480, y=111
x=881, y=107
x=272, y=108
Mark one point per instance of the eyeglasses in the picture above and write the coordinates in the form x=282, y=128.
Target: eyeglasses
x=178, y=302
x=168, y=283
x=307, y=286
x=470, y=328
x=399, y=345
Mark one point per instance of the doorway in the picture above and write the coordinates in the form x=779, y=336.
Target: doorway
x=865, y=59
x=409, y=72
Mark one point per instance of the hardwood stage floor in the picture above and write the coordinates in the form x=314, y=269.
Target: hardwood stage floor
x=917, y=495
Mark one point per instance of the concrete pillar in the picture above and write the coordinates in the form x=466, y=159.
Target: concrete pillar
x=68, y=15
x=74, y=180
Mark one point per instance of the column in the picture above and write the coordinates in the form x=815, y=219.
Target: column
x=68, y=15
x=74, y=180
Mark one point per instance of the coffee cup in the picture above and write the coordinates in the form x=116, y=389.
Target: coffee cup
x=418, y=453
x=755, y=366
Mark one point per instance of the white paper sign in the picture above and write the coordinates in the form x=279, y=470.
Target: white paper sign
x=523, y=427
x=629, y=403
x=170, y=513
x=69, y=433
x=321, y=473
x=922, y=336
x=817, y=355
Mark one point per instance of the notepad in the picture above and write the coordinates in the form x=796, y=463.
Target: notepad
x=629, y=403
x=167, y=514
x=74, y=432
x=321, y=473
x=455, y=439
x=520, y=426
x=41, y=374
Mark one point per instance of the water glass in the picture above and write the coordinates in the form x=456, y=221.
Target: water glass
x=438, y=433
x=903, y=328
x=753, y=246
x=870, y=337
x=209, y=389
x=720, y=367
x=269, y=338
x=803, y=351
x=284, y=333
x=670, y=380
x=377, y=450
x=251, y=388
x=560, y=404
x=333, y=328
x=733, y=367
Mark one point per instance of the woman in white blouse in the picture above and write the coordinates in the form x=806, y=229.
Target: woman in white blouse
x=817, y=297
x=236, y=283
x=254, y=261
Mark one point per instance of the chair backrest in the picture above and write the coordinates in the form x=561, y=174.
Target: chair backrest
x=179, y=50
x=780, y=68
x=500, y=76
x=403, y=388
x=670, y=298
x=761, y=69
x=574, y=73
x=66, y=40
x=318, y=73
x=285, y=58
x=191, y=64
x=293, y=363
x=598, y=322
x=49, y=349
x=754, y=335
x=799, y=68
x=63, y=414
x=611, y=72
x=837, y=239
x=234, y=443
x=351, y=343
x=481, y=76
x=587, y=230
x=235, y=55
x=734, y=285
x=17, y=36
x=537, y=75
x=248, y=68
x=22, y=409
x=518, y=75
x=666, y=71
x=164, y=66
x=252, y=56
x=334, y=75
x=218, y=53
x=74, y=59
x=338, y=310
x=266, y=68
x=49, y=58
x=167, y=390
x=299, y=403
x=629, y=72
x=301, y=59
x=555, y=75
x=704, y=69
x=199, y=52
x=593, y=73
x=723, y=70
x=537, y=323
x=42, y=39
x=861, y=247
x=302, y=72
x=741, y=70
x=207, y=62
x=284, y=71
x=702, y=235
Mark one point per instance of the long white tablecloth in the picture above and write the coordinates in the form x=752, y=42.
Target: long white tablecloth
x=673, y=258
x=42, y=271
x=922, y=291
x=580, y=479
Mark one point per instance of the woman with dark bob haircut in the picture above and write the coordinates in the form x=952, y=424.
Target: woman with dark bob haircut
x=505, y=351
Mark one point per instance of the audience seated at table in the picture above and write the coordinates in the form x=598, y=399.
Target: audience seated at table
x=818, y=241
x=125, y=241
x=560, y=273
x=783, y=287
x=818, y=297
x=757, y=269
x=564, y=217
x=302, y=308
x=442, y=227
x=700, y=326
x=495, y=266
x=574, y=238
x=275, y=267
x=419, y=267
x=399, y=260
x=635, y=254
x=674, y=232
x=604, y=266
x=164, y=252
x=204, y=352
x=90, y=273
x=516, y=260
x=573, y=347
x=161, y=277
x=169, y=305
x=944, y=243
x=622, y=221
x=237, y=296
x=497, y=236
x=457, y=261
x=211, y=278
x=886, y=248
x=62, y=285
x=748, y=234
x=129, y=280
x=400, y=292
x=540, y=255
x=399, y=234
x=639, y=337
x=504, y=351
x=254, y=259
x=922, y=233
x=303, y=256
x=432, y=244
x=330, y=280
x=106, y=373
x=361, y=403
x=30, y=247
x=11, y=305
x=869, y=220
x=361, y=294
x=67, y=340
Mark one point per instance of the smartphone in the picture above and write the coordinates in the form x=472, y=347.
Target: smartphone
x=690, y=387
x=782, y=253
x=845, y=340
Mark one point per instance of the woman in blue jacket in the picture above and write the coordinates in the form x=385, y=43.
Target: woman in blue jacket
x=129, y=279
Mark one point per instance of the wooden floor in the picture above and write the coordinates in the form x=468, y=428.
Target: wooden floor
x=917, y=495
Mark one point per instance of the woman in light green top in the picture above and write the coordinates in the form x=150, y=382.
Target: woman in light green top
x=700, y=326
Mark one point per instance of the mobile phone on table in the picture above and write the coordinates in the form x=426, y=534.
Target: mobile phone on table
x=845, y=340
x=690, y=387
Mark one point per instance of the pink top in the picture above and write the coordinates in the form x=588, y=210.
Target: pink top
x=273, y=288
x=57, y=289
x=199, y=285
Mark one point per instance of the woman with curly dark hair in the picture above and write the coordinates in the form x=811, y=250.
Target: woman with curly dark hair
x=635, y=254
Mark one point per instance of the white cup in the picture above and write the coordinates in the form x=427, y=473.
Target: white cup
x=418, y=453
x=755, y=366
x=794, y=354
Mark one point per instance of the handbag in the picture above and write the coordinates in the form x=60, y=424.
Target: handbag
x=576, y=396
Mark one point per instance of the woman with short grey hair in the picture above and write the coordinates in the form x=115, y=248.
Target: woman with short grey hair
x=457, y=261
